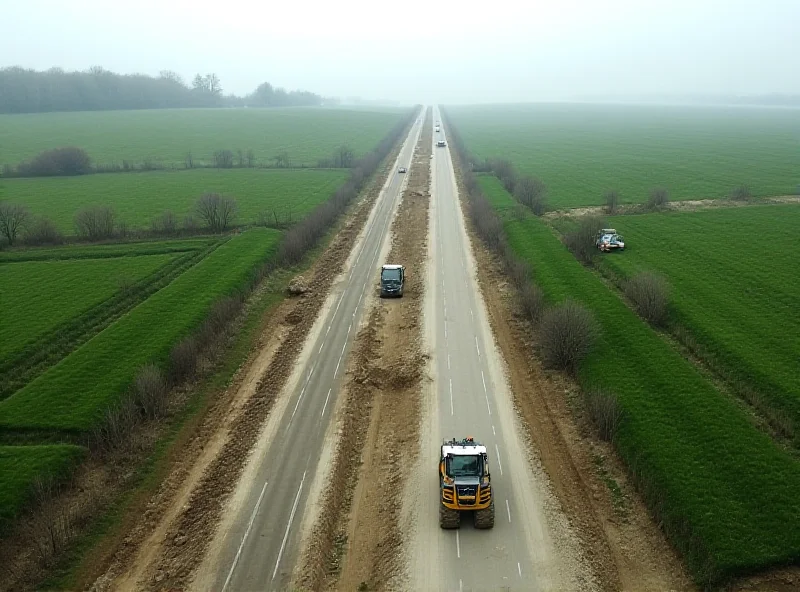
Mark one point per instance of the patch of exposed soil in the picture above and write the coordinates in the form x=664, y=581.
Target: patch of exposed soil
x=689, y=205
x=358, y=538
x=169, y=541
x=625, y=547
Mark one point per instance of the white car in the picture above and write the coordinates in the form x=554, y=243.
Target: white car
x=402, y=170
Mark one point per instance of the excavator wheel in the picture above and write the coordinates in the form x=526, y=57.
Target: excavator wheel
x=485, y=518
x=449, y=518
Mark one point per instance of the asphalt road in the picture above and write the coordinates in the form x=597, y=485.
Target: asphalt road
x=472, y=399
x=259, y=546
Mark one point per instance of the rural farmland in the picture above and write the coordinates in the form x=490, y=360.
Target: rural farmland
x=284, y=195
x=700, y=463
x=165, y=137
x=582, y=151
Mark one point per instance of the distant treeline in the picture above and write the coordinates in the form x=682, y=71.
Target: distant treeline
x=29, y=91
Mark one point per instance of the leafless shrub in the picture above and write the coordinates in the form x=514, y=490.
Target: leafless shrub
x=604, y=412
x=122, y=229
x=42, y=231
x=223, y=159
x=612, y=201
x=251, y=159
x=344, y=157
x=504, y=170
x=189, y=224
x=240, y=158
x=150, y=392
x=741, y=193
x=95, y=223
x=581, y=241
x=659, y=198
x=532, y=300
x=649, y=293
x=112, y=432
x=217, y=211
x=183, y=360
x=189, y=161
x=13, y=218
x=282, y=160
x=567, y=334
x=166, y=223
x=531, y=192
x=70, y=160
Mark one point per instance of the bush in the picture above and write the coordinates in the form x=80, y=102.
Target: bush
x=612, y=201
x=183, y=360
x=61, y=161
x=13, y=219
x=741, y=193
x=649, y=294
x=659, y=198
x=604, y=412
x=581, y=241
x=532, y=300
x=217, y=211
x=567, y=334
x=95, y=223
x=150, y=392
x=531, y=191
x=166, y=223
x=43, y=232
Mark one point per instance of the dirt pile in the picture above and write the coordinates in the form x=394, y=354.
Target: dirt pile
x=184, y=542
x=358, y=540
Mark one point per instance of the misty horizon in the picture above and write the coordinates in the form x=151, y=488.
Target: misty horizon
x=429, y=53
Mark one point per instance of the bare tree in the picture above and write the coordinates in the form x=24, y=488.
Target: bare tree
x=612, y=201
x=741, y=193
x=251, y=158
x=649, y=293
x=581, y=240
x=42, y=231
x=567, y=334
x=659, y=198
x=282, y=160
x=223, y=159
x=345, y=157
x=13, y=218
x=95, y=223
x=531, y=192
x=240, y=158
x=217, y=211
x=189, y=160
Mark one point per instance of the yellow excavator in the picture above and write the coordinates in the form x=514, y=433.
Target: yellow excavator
x=465, y=484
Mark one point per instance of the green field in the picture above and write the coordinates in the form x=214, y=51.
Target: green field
x=166, y=136
x=735, y=287
x=581, y=151
x=20, y=466
x=138, y=197
x=44, y=294
x=102, y=251
x=72, y=395
x=727, y=495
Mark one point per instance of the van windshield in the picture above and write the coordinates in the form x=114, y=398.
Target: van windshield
x=391, y=274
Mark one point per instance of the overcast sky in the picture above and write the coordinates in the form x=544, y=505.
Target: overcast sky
x=424, y=50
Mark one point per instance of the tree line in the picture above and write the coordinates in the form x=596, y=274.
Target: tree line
x=30, y=91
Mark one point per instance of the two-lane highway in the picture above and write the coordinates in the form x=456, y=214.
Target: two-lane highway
x=256, y=545
x=470, y=398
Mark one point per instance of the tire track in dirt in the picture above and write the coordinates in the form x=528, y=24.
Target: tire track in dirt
x=183, y=543
x=358, y=537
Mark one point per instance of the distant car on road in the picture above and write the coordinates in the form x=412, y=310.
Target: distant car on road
x=441, y=143
x=609, y=240
x=402, y=170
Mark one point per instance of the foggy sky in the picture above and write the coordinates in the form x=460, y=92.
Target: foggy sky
x=424, y=50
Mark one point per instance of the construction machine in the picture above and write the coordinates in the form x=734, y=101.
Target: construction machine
x=465, y=484
x=393, y=279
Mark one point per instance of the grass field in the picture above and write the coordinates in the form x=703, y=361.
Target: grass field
x=102, y=251
x=138, y=197
x=20, y=466
x=735, y=287
x=727, y=495
x=581, y=151
x=166, y=136
x=72, y=395
x=44, y=294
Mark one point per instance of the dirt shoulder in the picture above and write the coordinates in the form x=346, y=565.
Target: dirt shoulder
x=689, y=205
x=359, y=537
x=625, y=547
x=168, y=542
